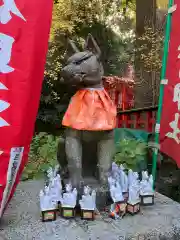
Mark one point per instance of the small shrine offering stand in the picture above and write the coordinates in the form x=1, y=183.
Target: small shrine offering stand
x=68, y=212
x=88, y=204
x=49, y=215
x=88, y=214
x=48, y=206
x=147, y=192
x=147, y=200
x=68, y=203
x=133, y=207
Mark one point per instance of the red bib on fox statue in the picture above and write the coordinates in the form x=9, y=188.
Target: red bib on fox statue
x=24, y=33
x=91, y=109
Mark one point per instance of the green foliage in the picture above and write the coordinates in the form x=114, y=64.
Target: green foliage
x=42, y=155
x=116, y=52
x=151, y=49
x=131, y=153
x=162, y=4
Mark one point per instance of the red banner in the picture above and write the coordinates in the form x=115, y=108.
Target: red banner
x=170, y=120
x=24, y=33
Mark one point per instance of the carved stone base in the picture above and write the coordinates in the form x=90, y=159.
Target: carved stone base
x=103, y=199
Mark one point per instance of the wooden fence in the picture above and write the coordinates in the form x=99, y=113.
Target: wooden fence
x=142, y=118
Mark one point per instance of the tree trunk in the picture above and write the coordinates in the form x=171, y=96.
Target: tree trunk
x=145, y=81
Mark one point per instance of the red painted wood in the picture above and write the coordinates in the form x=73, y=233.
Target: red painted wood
x=128, y=120
x=119, y=121
x=138, y=119
x=149, y=125
x=117, y=101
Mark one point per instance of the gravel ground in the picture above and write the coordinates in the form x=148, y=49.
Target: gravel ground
x=22, y=221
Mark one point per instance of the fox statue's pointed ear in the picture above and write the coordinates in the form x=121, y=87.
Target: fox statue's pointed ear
x=71, y=48
x=92, y=46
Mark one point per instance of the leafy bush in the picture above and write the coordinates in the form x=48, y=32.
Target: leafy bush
x=43, y=154
x=132, y=153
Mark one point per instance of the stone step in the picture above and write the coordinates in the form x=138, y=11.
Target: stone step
x=22, y=221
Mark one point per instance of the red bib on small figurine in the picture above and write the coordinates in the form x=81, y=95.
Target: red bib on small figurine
x=91, y=109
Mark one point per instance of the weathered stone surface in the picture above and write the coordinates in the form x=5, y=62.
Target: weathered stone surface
x=22, y=221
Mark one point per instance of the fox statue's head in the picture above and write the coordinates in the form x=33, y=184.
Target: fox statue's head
x=83, y=68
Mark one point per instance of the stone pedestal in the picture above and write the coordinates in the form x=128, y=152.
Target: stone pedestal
x=160, y=221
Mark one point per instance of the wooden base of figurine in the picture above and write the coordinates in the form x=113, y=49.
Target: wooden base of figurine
x=147, y=200
x=67, y=212
x=87, y=214
x=121, y=208
x=133, y=208
x=49, y=215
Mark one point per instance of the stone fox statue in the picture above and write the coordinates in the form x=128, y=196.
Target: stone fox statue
x=91, y=115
